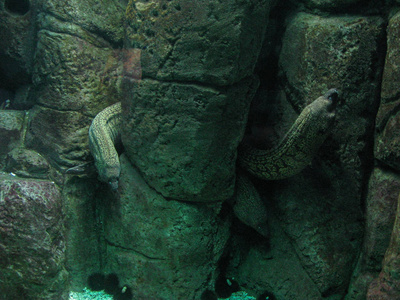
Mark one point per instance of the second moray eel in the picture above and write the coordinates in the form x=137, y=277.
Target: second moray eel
x=297, y=149
x=289, y=157
x=104, y=134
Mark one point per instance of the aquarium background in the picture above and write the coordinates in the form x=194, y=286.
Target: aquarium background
x=196, y=80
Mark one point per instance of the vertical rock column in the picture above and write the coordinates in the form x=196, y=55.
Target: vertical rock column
x=184, y=119
x=32, y=240
x=387, y=145
x=319, y=53
x=182, y=122
x=74, y=77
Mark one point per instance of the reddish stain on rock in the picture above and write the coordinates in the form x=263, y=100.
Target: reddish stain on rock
x=31, y=240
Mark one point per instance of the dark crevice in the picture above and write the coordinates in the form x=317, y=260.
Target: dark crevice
x=133, y=250
x=17, y=7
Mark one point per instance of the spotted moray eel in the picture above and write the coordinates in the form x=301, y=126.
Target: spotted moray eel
x=292, y=154
x=104, y=134
x=300, y=144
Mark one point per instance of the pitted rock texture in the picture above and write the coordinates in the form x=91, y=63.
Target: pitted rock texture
x=168, y=249
x=32, y=240
x=271, y=265
x=83, y=224
x=27, y=163
x=184, y=120
x=11, y=130
x=75, y=74
x=321, y=52
x=71, y=73
x=387, y=143
x=381, y=202
x=183, y=137
x=60, y=136
x=321, y=209
x=387, y=285
x=209, y=42
x=16, y=43
x=325, y=229
x=384, y=187
x=100, y=20
x=332, y=5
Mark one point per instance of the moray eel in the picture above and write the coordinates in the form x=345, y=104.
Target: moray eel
x=297, y=149
x=292, y=154
x=104, y=134
x=249, y=207
x=289, y=157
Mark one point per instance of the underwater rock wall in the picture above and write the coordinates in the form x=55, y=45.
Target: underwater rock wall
x=186, y=116
x=386, y=151
x=32, y=256
x=186, y=72
x=320, y=211
x=162, y=249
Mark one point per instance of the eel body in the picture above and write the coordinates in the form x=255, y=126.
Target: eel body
x=104, y=134
x=289, y=157
x=248, y=205
x=297, y=149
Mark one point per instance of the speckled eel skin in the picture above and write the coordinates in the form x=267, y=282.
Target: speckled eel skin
x=297, y=149
x=104, y=133
x=292, y=154
x=289, y=157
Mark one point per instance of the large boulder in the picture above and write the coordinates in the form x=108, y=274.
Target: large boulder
x=161, y=249
x=387, y=285
x=381, y=201
x=17, y=41
x=204, y=41
x=333, y=5
x=74, y=75
x=387, y=146
x=321, y=209
x=32, y=243
x=185, y=119
x=11, y=130
x=183, y=137
x=387, y=143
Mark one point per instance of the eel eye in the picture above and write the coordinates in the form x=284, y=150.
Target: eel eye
x=113, y=184
x=333, y=96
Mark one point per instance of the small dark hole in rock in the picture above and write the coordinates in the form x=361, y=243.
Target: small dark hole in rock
x=111, y=284
x=18, y=7
x=96, y=281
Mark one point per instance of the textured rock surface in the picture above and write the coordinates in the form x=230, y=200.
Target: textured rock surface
x=271, y=265
x=71, y=73
x=92, y=19
x=168, y=249
x=83, y=217
x=383, y=190
x=332, y=4
x=32, y=240
x=16, y=44
x=209, y=42
x=321, y=210
x=181, y=129
x=11, y=129
x=60, y=136
x=324, y=227
x=183, y=137
x=387, y=144
x=27, y=163
x=387, y=285
x=74, y=74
